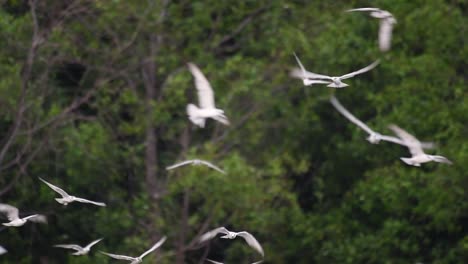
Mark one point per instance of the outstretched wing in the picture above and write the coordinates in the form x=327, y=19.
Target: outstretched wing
x=74, y=247
x=349, y=116
x=154, y=247
x=385, y=34
x=122, y=257
x=81, y=200
x=363, y=70
x=210, y=234
x=363, y=9
x=11, y=212
x=55, y=188
x=215, y=262
x=212, y=166
x=2, y=250
x=183, y=163
x=205, y=92
x=93, y=243
x=37, y=218
x=410, y=141
x=250, y=239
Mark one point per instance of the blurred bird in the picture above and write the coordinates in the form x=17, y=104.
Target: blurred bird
x=206, y=101
x=250, y=239
x=387, y=20
x=414, y=146
x=79, y=250
x=373, y=137
x=195, y=162
x=2, y=250
x=12, y=214
x=66, y=198
x=139, y=259
x=310, y=78
x=216, y=262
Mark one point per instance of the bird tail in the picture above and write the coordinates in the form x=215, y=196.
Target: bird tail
x=409, y=161
x=441, y=159
x=192, y=112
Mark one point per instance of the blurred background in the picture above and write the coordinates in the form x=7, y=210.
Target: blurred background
x=93, y=96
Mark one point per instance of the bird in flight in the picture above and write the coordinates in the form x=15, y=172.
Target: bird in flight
x=206, y=107
x=66, y=198
x=387, y=21
x=249, y=238
x=137, y=260
x=417, y=153
x=79, y=250
x=195, y=162
x=12, y=214
x=374, y=137
x=309, y=78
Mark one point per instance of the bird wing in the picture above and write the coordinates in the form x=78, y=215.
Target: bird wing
x=183, y=163
x=303, y=70
x=441, y=159
x=363, y=70
x=154, y=247
x=363, y=9
x=210, y=234
x=2, y=250
x=37, y=218
x=258, y=262
x=55, y=188
x=122, y=257
x=93, y=243
x=212, y=166
x=410, y=141
x=81, y=200
x=250, y=239
x=215, y=262
x=392, y=140
x=349, y=116
x=205, y=92
x=385, y=34
x=69, y=246
x=298, y=73
x=11, y=212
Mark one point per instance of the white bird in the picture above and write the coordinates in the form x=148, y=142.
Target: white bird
x=66, y=198
x=387, y=20
x=195, y=162
x=206, y=101
x=2, y=250
x=310, y=78
x=374, y=137
x=249, y=238
x=12, y=214
x=79, y=250
x=139, y=259
x=414, y=146
x=217, y=262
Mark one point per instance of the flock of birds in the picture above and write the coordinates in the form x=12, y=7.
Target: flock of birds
x=206, y=109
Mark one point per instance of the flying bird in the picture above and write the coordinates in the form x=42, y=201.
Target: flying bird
x=139, y=259
x=310, y=78
x=12, y=214
x=374, y=137
x=2, y=250
x=217, y=262
x=387, y=21
x=79, y=250
x=195, y=162
x=206, y=107
x=249, y=238
x=414, y=145
x=66, y=198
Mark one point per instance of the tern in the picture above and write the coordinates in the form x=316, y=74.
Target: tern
x=310, y=78
x=12, y=214
x=206, y=101
x=417, y=154
x=139, y=259
x=217, y=262
x=66, y=198
x=387, y=21
x=79, y=250
x=195, y=162
x=2, y=250
x=374, y=137
x=249, y=238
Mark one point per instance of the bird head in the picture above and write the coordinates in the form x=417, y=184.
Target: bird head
x=374, y=138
